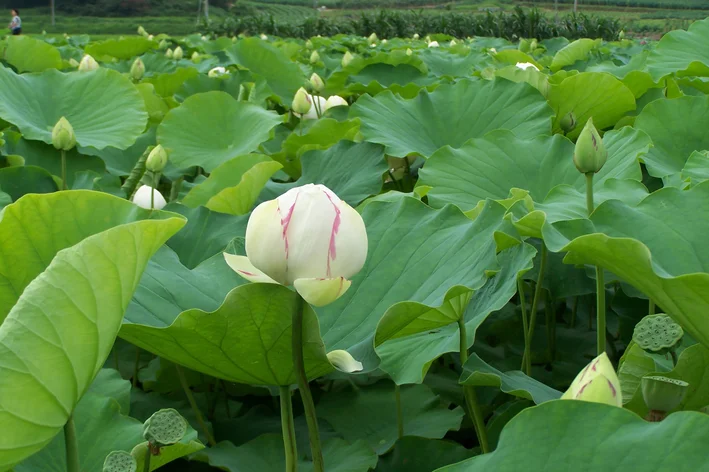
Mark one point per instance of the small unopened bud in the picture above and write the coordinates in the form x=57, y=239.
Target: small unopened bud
x=263, y=36
x=314, y=57
x=453, y=43
x=157, y=159
x=137, y=70
x=63, y=136
x=590, y=154
x=141, y=31
x=384, y=41
x=372, y=38
x=168, y=53
x=73, y=62
x=150, y=37
x=568, y=122
x=409, y=52
x=309, y=44
x=621, y=35
x=347, y=59
x=317, y=83
x=301, y=102
x=87, y=64
x=416, y=36
x=533, y=45
x=178, y=53
x=195, y=56
x=162, y=44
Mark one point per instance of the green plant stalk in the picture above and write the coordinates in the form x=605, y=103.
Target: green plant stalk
x=526, y=365
x=600, y=284
x=535, y=304
x=316, y=104
x=226, y=399
x=64, y=170
x=471, y=398
x=651, y=308
x=146, y=463
x=574, y=310
x=72, y=446
x=399, y=412
x=288, y=429
x=136, y=366
x=193, y=404
x=305, y=394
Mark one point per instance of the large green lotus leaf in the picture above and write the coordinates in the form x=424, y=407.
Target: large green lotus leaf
x=261, y=58
x=564, y=434
x=265, y=454
x=36, y=153
x=27, y=54
x=231, y=85
x=103, y=107
x=205, y=234
x=573, y=52
x=246, y=340
x=120, y=162
x=676, y=128
x=168, y=288
x=682, y=52
x=654, y=246
x=211, y=128
x=696, y=170
x=631, y=73
x=414, y=454
x=451, y=115
x=478, y=373
x=596, y=95
x=123, y=48
x=166, y=85
x=633, y=366
x=416, y=254
x=19, y=181
x=64, y=322
x=369, y=414
x=322, y=134
x=410, y=336
x=233, y=187
x=352, y=170
x=154, y=104
x=489, y=167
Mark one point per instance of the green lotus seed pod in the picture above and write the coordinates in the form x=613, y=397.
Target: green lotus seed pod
x=662, y=393
x=63, y=136
x=157, y=159
x=657, y=333
x=568, y=122
x=120, y=461
x=164, y=428
x=589, y=154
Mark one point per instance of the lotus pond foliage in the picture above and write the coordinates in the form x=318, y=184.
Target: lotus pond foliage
x=377, y=251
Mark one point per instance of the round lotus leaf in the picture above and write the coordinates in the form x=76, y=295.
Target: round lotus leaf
x=165, y=427
x=120, y=461
x=663, y=393
x=657, y=333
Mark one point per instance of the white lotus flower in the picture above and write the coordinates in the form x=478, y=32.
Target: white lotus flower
x=312, y=114
x=217, y=72
x=307, y=238
x=88, y=63
x=526, y=65
x=433, y=44
x=335, y=101
x=142, y=198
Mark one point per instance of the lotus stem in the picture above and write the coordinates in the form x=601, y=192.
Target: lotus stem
x=193, y=404
x=526, y=365
x=600, y=284
x=574, y=309
x=146, y=463
x=673, y=354
x=72, y=445
x=288, y=429
x=651, y=308
x=589, y=193
x=305, y=394
x=535, y=305
x=136, y=366
x=471, y=398
x=399, y=412
x=64, y=170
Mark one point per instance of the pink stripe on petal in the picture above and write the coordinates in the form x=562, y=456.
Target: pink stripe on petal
x=247, y=273
x=612, y=387
x=332, y=249
x=285, y=222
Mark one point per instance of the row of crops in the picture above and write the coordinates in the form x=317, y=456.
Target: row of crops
x=354, y=254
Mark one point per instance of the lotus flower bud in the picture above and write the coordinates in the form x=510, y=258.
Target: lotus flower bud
x=169, y=53
x=597, y=382
x=137, y=70
x=317, y=83
x=150, y=37
x=141, y=31
x=63, y=137
x=663, y=394
x=409, y=52
x=87, y=64
x=416, y=36
x=162, y=44
x=73, y=62
x=347, y=59
x=178, y=54
x=314, y=57
x=590, y=153
x=343, y=361
x=263, y=36
x=164, y=428
x=307, y=238
x=335, y=101
x=301, y=102
x=309, y=44
x=568, y=122
x=119, y=461
x=372, y=38
x=312, y=114
x=453, y=43
x=526, y=65
x=384, y=41
x=157, y=159
x=533, y=45
x=142, y=198
x=195, y=56
x=621, y=35
x=433, y=44
x=217, y=72
x=427, y=39
x=373, y=45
